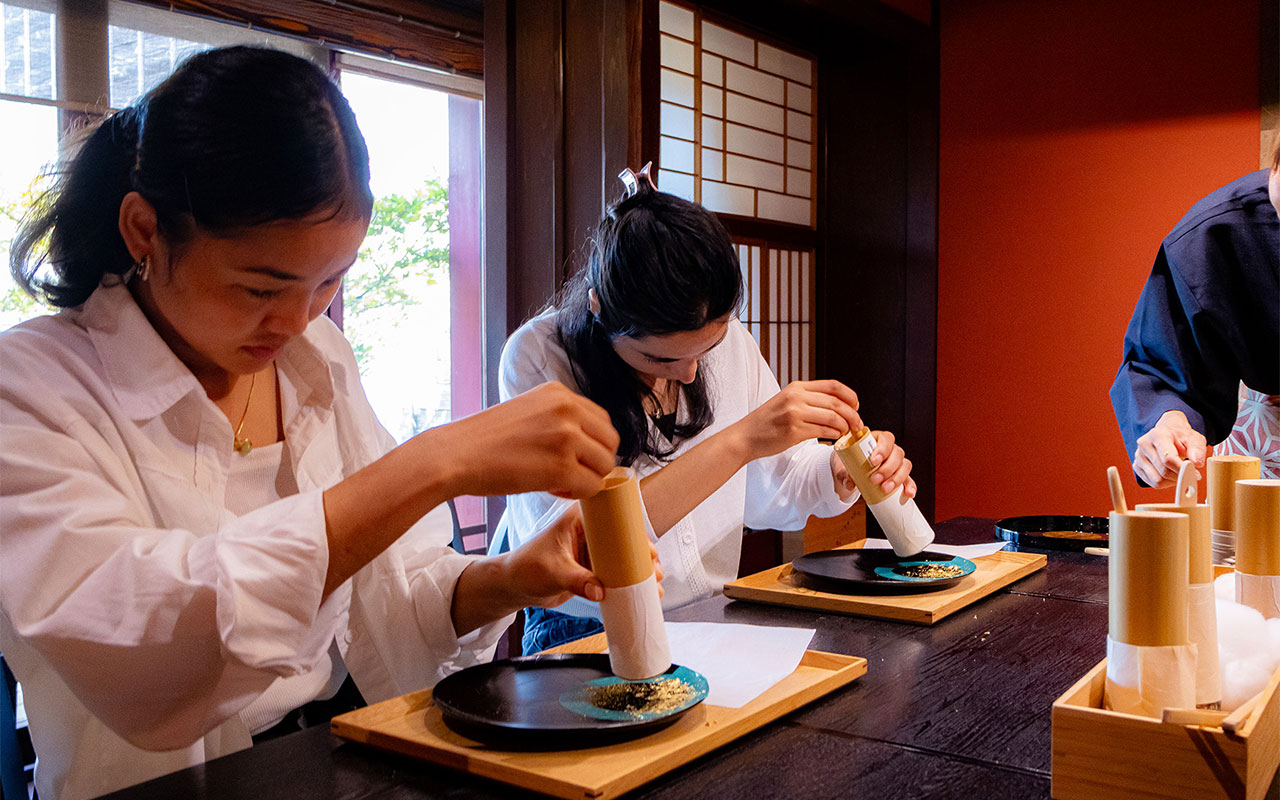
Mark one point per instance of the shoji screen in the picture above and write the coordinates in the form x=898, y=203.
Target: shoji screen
x=736, y=131
x=736, y=120
x=779, y=306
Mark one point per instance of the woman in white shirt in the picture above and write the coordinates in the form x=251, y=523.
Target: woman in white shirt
x=202, y=524
x=649, y=330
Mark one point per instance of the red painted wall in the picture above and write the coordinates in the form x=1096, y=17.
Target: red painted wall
x=1073, y=136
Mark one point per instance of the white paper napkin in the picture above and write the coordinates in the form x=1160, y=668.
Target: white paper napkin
x=740, y=662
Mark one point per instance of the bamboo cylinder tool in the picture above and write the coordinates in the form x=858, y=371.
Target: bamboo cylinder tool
x=903, y=524
x=631, y=610
x=1224, y=471
x=1147, y=572
x=1202, y=621
x=1200, y=555
x=1258, y=545
x=1257, y=510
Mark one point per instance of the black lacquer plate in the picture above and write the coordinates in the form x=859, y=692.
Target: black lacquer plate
x=875, y=571
x=519, y=703
x=1054, y=532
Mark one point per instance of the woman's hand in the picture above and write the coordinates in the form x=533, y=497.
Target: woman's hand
x=554, y=565
x=893, y=469
x=546, y=571
x=803, y=410
x=548, y=439
x=1162, y=450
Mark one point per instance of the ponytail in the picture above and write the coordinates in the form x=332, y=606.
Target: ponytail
x=235, y=137
x=81, y=219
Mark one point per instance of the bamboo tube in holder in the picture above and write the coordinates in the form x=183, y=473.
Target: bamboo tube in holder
x=1199, y=552
x=1202, y=620
x=631, y=610
x=1224, y=471
x=1148, y=575
x=1257, y=516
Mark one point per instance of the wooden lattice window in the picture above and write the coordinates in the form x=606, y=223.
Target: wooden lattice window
x=779, y=306
x=736, y=120
x=736, y=134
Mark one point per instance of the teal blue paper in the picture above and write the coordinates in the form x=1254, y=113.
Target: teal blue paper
x=579, y=701
x=891, y=573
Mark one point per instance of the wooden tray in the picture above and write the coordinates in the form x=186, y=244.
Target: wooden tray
x=779, y=586
x=1106, y=755
x=411, y=724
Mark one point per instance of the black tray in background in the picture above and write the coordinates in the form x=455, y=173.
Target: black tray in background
x=1028, y=531
x=852, y=571
x=515, y=704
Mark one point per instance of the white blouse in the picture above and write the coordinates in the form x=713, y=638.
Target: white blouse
x=141, y=615
x=700, y=553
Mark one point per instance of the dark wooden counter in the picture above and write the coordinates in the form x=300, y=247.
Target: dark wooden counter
x=959, y=709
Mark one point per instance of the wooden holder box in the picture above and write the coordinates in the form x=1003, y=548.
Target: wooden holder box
x=1100, y=754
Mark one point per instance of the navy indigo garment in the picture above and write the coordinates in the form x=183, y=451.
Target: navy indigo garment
x=545, y=628
x=1208, y=317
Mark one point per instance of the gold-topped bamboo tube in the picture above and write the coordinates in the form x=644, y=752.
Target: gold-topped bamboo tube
x=1257, y=510
x=1148, y=575
x=1200, y=547
x=1224, y=471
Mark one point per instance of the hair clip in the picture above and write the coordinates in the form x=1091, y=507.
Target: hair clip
x=632, y=180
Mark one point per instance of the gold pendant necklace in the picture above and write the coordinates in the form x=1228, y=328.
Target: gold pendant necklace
x=243, y=446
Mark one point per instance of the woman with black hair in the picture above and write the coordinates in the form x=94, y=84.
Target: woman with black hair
x=203, y=528
x=649, y=330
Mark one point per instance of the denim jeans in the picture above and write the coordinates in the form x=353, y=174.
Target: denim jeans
x=545, y=628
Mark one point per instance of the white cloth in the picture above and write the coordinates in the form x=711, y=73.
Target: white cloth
x=141, y=615
x=700, y=552
x=262, y=476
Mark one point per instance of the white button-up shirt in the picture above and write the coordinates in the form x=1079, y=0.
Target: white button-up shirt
x=140, y=615
x=700, y=553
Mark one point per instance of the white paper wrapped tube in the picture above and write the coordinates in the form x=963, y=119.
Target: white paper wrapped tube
x=613, y=521
x=1202, y=629
x=637, y=634
x=904, y=526
x=1259, y=592
x=1147, y=680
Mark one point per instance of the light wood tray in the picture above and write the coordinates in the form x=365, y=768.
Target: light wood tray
x=411, y=724
x=780, y=586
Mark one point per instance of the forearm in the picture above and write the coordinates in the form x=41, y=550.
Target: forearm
x=368, y=511
x=679, y=487
x=484, y=592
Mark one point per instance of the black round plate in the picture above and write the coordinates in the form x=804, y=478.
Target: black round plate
x=514, y=704
x=1029, y=532
x=854, y=571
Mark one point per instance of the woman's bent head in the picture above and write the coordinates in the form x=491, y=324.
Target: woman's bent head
x=238, y=145
x=660, y=285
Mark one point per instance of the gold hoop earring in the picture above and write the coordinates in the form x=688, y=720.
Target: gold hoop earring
x=142, y=269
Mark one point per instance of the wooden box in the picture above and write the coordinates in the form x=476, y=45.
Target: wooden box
x=1100, y=754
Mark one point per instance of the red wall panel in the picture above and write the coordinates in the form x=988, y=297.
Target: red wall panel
x=1073, y=136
